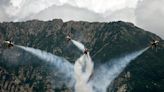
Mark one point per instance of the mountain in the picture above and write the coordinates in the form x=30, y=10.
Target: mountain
x=22, y=72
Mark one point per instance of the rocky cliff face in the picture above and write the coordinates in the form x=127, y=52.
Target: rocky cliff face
x=22, y=72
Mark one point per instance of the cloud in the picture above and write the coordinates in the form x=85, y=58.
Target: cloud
x=100, y=6
x=19, y=9
x=150, y=16
x=3, y=4
x=2, y=16
x=29, y=7
x=125, y=14
x=67, y=13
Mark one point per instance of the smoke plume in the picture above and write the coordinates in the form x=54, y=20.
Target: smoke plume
x=79, y=45
x=62, y=65
x=83, y=70
x=106, y=73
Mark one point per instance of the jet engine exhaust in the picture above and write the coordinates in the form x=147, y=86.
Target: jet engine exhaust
x=83, y=70
x=79, y=45
x=62, y=65
x=107, y=72
x=80, y=73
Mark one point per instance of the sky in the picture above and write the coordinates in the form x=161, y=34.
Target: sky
x=147, y=14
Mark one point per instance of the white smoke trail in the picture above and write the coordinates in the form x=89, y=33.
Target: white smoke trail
x=79, y=45
x=61, y=64
x=83, y=69
x=106, y=73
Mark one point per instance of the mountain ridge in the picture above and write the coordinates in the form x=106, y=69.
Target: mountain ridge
x=105, y=41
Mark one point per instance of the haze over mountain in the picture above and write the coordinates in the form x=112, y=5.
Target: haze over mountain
x=105, y=41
